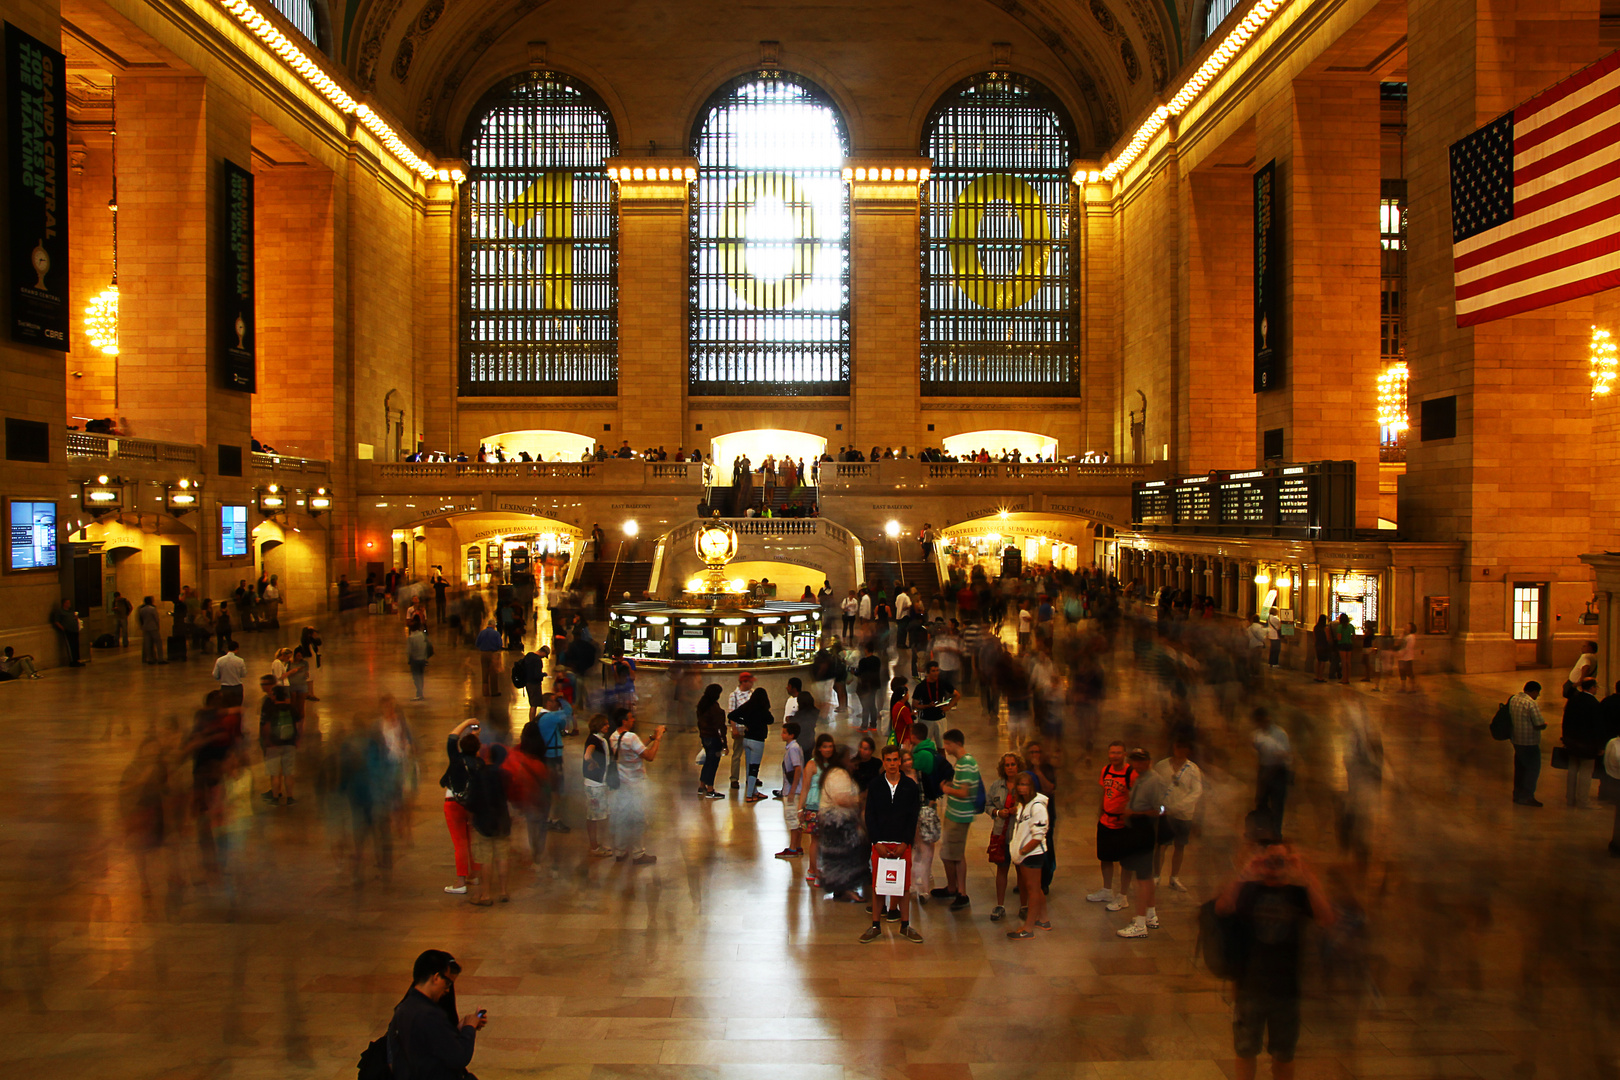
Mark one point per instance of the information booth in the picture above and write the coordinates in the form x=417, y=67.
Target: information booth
x=763, y=635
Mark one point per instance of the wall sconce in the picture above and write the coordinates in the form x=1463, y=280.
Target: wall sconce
x=182, y=497
x=103, y=496
x=272, y=500
x=320, y=502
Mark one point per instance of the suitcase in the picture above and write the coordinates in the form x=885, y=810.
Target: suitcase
x=177, y=649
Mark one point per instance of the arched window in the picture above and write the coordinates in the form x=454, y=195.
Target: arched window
x=770, y=242
x=301, y=13
x=539, y=242
x=999, y=282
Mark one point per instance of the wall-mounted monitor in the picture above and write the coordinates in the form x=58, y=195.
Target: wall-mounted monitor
x=30, y=535
x=233, y=531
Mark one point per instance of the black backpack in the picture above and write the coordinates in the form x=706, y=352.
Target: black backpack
x=373, y=1063
x=1221, y=942
x=1502, y=723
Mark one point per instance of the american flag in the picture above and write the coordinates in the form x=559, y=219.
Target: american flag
x=1535, y=200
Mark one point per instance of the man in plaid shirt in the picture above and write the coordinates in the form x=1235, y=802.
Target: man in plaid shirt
x=1527, y=725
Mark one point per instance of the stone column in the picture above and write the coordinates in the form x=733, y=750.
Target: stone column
x=653, y=269
x=1215, y=432
x=175, y=133
x=885, y=304
x=1324, y=135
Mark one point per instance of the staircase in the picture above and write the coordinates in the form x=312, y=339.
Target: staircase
x=781, y=497
x=631, y=577
x=922, y=575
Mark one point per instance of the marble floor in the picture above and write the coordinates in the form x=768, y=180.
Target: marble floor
x=1489, y=947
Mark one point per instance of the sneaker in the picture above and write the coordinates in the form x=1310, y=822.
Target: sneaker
x=911, y=935
x=1044, y=925
x=1023, y=913
x=1153, y=921
x=998, y=913
x=1135, y=930
x=557, y=826
x=940, y=894
x=1175, y=883
x=1101, y=896
x=715, y=795
x=736, y=786
x=600, y=852
x=289, y=801
x=776, y=793
x=268, y=796
x=789, y=853
x=960, y=902
x=456, y=890
x=892, y=915
x=873, y=932
x=1119, y=903
x=621, y=857
x=644, y=860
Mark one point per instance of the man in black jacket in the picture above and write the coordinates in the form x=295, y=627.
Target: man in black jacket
x=424, y=1042
x=893, y=801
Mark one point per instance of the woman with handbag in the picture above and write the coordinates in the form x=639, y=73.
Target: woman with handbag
x=843, y=850
x=754, y=717
x=1001, y=803
x=821, y=757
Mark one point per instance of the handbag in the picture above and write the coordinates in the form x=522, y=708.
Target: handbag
x=890, y=879
x=611, y=776
x=1560, y=757
x=997, y=850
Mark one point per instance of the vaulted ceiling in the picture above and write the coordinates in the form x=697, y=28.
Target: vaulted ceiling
x=427, y=61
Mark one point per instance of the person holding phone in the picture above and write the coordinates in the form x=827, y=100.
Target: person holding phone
x=628, y=756
x=424, y=1040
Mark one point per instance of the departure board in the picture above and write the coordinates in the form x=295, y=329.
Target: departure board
x=1311, y=501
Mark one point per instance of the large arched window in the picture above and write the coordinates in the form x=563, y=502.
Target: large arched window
x=999, y=282
x=301, y=13
x=539, y=242
x=770, y=242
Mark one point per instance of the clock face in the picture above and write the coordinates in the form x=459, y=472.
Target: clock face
x=714, y=545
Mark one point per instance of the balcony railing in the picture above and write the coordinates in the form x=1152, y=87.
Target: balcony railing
x=507, y=470
x=283, y=463
x=86, y=444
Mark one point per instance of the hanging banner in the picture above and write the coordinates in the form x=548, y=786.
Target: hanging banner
x=236, y=281
x=36, y=153
x=1268, y=358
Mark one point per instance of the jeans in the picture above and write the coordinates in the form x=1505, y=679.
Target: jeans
x=1526, y=771
x=1578, y=785
x=869, y=709
x=418, y=673
x=1271, y=795
x=712, y=749
x=754, y=751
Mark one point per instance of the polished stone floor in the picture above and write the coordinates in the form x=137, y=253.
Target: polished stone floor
x=1489, y=947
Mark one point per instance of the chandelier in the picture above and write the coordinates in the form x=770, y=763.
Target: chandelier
x=1604, y=365
x=101, y=314
x=1392, y=398
x=101, y=320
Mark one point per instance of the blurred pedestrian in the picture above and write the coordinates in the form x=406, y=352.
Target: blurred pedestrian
x=1184, y=784
x=1526, y=738
x=1276, y=768
x=1271, y=903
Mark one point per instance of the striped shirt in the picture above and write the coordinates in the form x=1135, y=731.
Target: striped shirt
x=961, y=808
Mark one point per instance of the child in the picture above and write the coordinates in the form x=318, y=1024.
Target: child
x=792, y=781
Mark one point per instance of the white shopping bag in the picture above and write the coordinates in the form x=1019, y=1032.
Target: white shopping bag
x=891, y=877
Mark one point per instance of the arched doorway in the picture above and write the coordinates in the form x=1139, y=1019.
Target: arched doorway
x=760, y=443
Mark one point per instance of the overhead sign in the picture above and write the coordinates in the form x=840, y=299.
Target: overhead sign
x=36, y=156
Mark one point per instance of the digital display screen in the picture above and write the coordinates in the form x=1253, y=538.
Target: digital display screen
x=692, y=646
x=233, y=532
x=31, y=535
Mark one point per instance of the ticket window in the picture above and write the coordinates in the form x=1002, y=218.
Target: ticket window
x=1355, y=595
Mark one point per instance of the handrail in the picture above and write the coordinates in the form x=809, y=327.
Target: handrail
x=773, y=526
x=1000, y=470
x=90, y=444
x=424, y=470
x=284, y=463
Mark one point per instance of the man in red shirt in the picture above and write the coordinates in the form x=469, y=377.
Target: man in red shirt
x=1113, y=837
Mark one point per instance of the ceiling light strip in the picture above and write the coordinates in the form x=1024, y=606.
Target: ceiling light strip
x=315, y=75
x=1212, y=66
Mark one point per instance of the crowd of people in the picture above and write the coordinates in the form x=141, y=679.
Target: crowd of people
x=874, y=754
